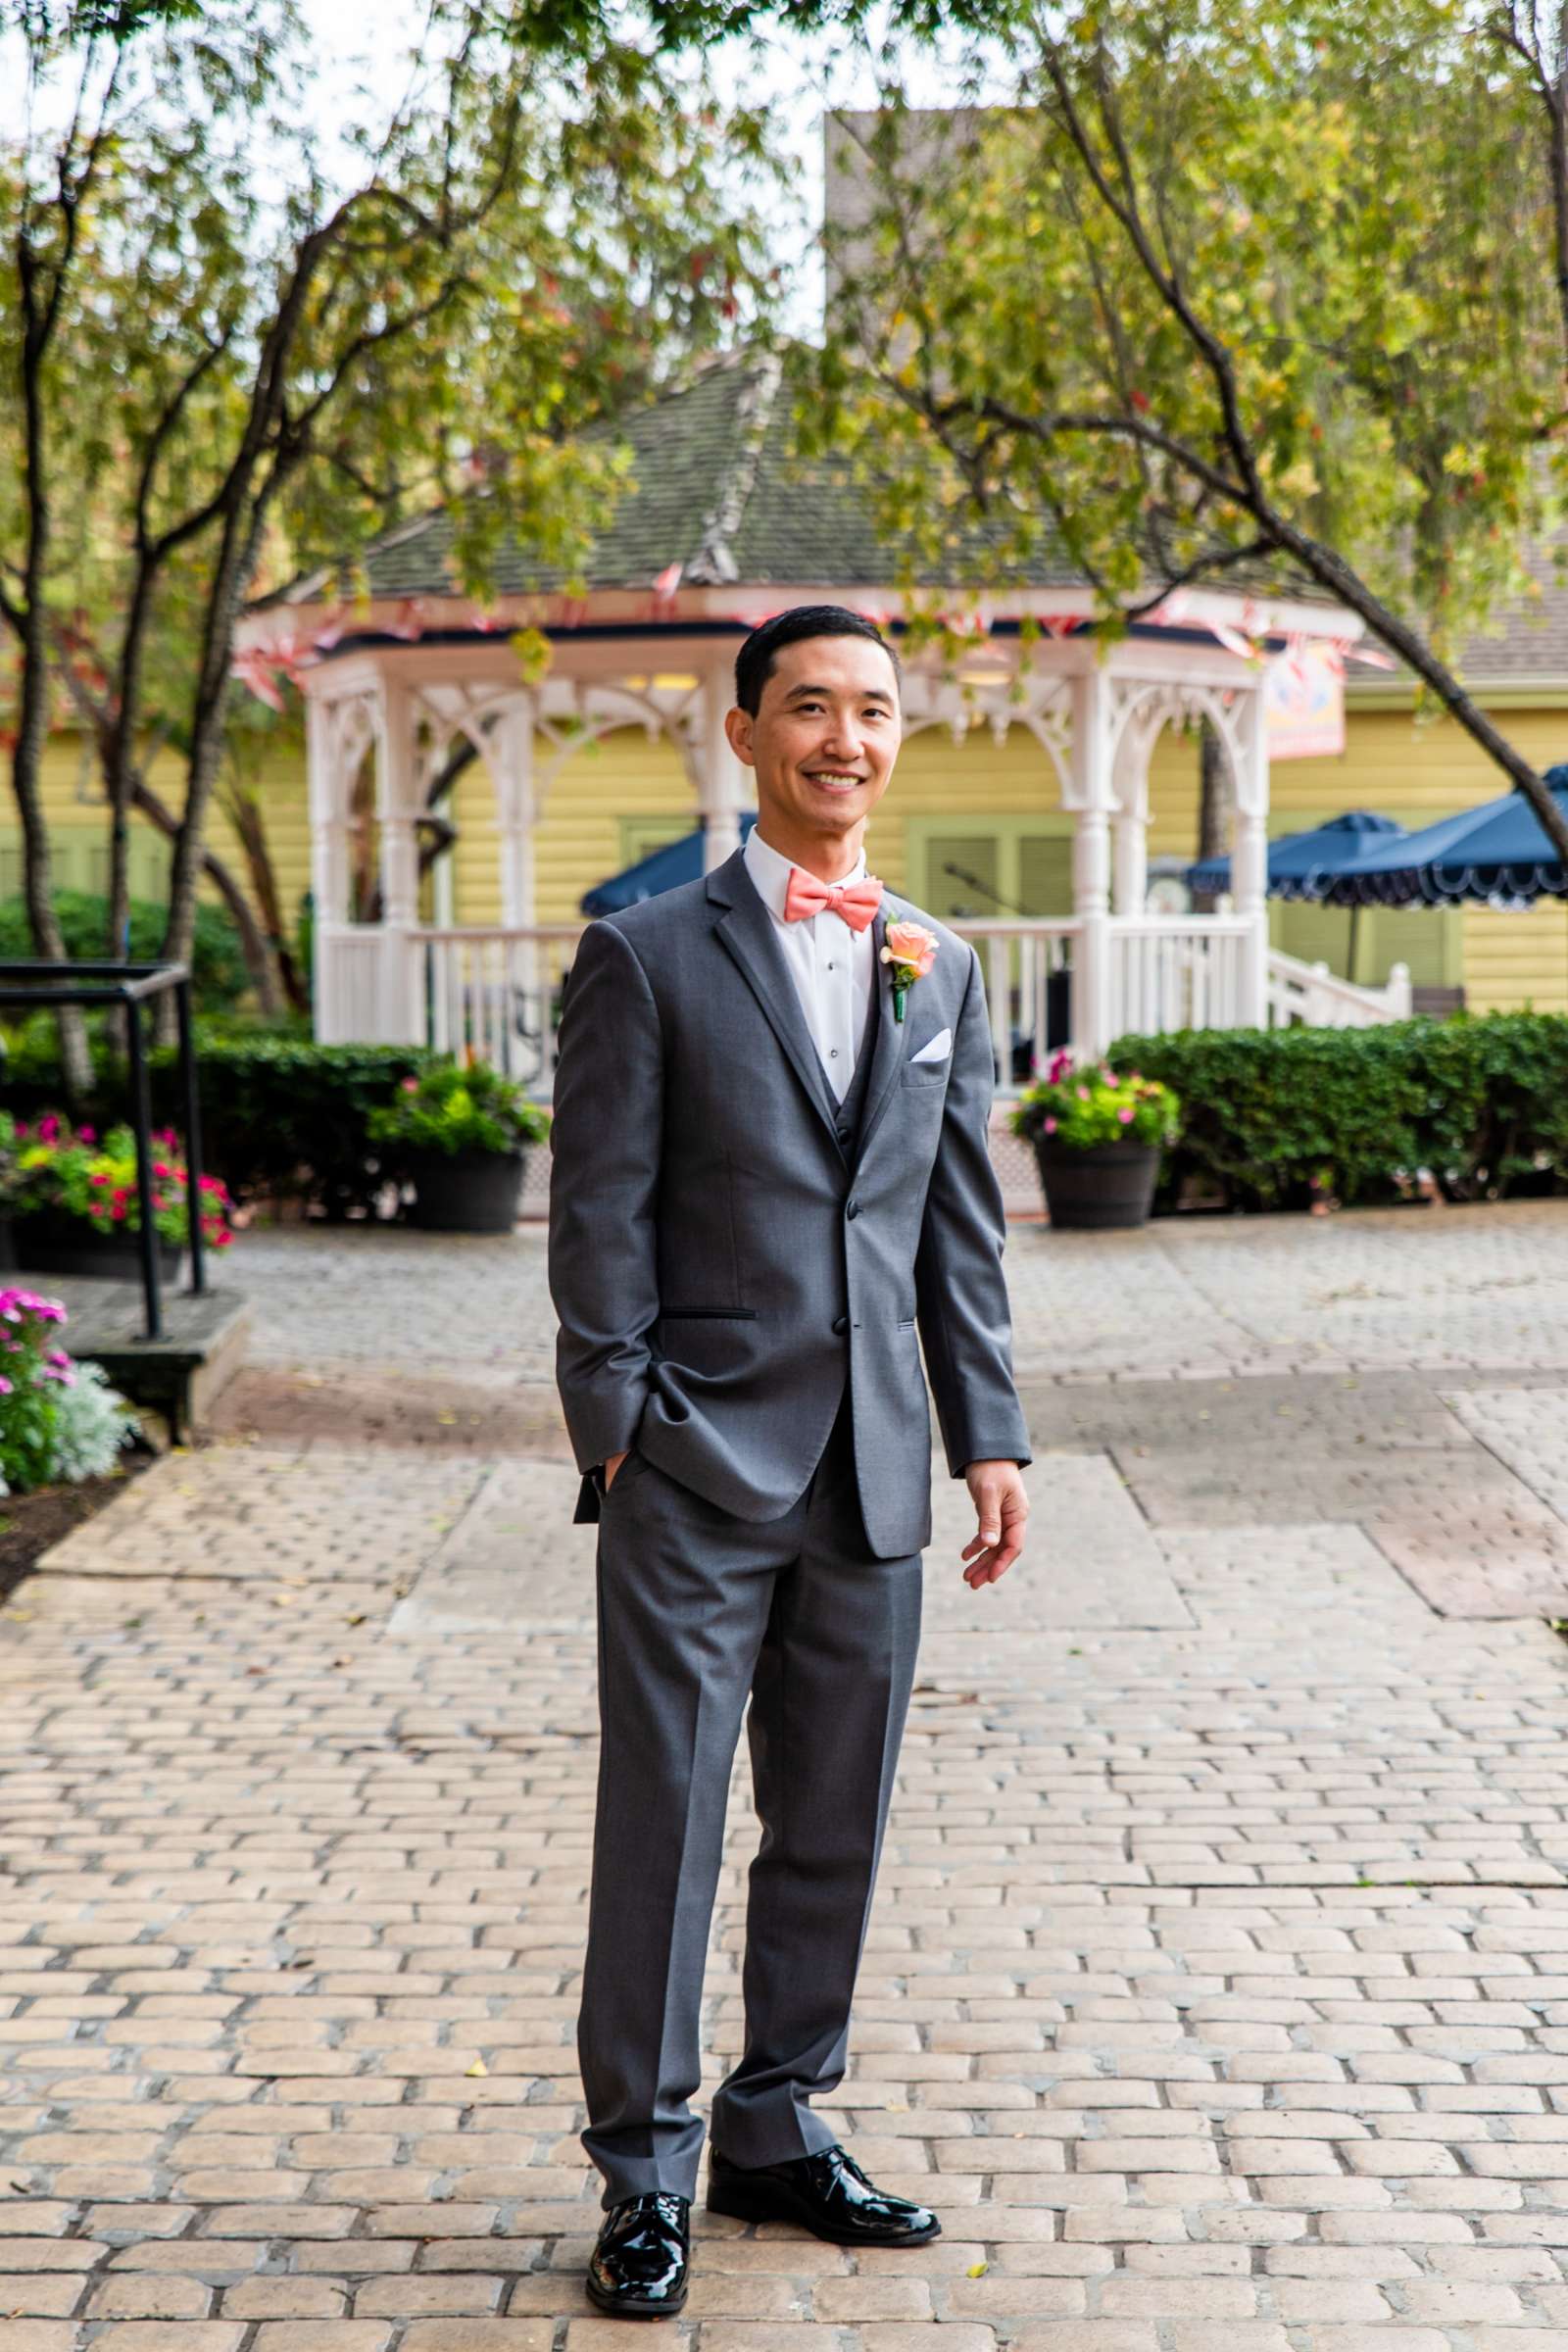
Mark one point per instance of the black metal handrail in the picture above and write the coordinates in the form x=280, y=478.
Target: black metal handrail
x=131, y=986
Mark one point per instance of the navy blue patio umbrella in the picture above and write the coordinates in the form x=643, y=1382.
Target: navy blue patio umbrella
x=662, y=869
x=1297, y=859
x=1500, y=854
x=1299, y=863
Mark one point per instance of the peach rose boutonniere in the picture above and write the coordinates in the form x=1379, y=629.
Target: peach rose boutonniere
x=912, y=949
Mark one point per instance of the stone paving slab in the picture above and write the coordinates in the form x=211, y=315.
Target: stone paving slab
x=289, y=1515
x=1098, y=1563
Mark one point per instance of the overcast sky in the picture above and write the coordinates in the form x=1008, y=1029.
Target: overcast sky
x=800, y=78
x=359, y=52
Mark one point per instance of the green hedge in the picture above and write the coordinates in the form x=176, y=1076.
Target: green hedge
x=1276, y=1118
x=280, y=1115
x=219, y=977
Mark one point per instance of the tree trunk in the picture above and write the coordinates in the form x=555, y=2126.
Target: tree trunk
x=241, y=804
x=119, y=758
x=32, y=724
x=236, y=564
x=257, y=962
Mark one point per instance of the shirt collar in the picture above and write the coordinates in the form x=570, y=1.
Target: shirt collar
x=770, y=871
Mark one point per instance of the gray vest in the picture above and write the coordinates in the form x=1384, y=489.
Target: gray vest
x=847, y=1113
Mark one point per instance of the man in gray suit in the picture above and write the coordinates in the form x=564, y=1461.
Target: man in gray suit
x=770, y=1189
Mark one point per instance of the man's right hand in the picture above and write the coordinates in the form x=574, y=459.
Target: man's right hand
x=613, y=1464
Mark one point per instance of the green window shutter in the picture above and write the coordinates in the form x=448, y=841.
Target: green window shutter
x=1045, y=874
x=640, y=836
x=970, y=890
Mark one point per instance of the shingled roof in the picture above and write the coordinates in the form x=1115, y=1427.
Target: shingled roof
x=719, y=491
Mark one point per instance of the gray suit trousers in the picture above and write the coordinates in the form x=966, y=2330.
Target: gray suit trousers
x=696, y=1609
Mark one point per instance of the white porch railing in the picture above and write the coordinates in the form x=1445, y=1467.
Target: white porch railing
x=1177, y=972
x=497, y=994
x=495, y=991
x=1027, y=969
x=1309, y=994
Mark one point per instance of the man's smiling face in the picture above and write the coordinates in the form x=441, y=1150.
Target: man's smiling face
x=824, y=739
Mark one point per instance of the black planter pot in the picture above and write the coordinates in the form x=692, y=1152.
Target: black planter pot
x=71, y=1247
x=1110, y=1185
x=466, y=1191
x=8, y=1246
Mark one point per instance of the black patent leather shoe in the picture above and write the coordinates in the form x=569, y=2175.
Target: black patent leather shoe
x=826, y=2193
x=639, y=2267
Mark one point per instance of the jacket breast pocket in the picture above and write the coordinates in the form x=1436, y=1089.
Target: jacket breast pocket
x=927, y=1073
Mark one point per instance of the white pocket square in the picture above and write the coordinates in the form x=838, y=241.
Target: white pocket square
x=936, y=1049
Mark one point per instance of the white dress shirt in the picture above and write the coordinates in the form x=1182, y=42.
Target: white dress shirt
x=832, y=966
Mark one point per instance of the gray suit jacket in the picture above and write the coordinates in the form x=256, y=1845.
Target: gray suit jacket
x=719, y=1261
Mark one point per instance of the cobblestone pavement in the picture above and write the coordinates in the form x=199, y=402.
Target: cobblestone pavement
x=1218, y=1988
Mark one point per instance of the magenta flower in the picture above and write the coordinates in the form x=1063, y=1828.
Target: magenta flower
x=1125, y=1116
x=1050, y=1126
x=7, y=1387
x=87, y=1135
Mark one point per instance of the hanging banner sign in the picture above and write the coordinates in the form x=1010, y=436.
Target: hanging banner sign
x=1303, y=701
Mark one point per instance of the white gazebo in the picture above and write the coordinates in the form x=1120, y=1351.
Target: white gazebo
x=416, y=672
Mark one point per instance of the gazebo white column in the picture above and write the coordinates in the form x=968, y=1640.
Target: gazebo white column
x=511, y=771
x=1093, y=802
x=402, y=1015
x=1249, y=852
x=723, y=787
x=1131, y=823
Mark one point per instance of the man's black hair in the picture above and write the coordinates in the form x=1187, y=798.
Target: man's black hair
x=754, y=664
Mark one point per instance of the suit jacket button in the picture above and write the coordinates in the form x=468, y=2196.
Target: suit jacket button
x=841, y=1324
x=852, y=1208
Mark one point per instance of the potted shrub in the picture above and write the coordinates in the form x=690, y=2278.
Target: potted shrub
x=71, y=1198
x=460, y=1137
x=1098, y=1137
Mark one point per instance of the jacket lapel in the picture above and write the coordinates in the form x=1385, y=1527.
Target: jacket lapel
x=887, y=1056
x=747, y=930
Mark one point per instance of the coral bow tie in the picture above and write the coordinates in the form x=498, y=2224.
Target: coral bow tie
x=857, y=902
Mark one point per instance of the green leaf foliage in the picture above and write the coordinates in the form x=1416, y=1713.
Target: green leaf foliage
x=450, y=1108
x=1185, y=263
x=217, y=963
x=282, y=1117
x=1281, y=1119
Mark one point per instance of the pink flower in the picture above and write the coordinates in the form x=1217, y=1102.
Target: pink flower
x=7, y=1387
x=1083, y=1094
x=411, y=1086
x=160, y=1167
x=57, y=1356
x=48, y=1128
x=1126, y=1116
x=911, y=944
x=87, y=1135
x=1050, y=1126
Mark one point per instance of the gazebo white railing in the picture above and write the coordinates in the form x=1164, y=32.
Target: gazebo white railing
x=495, y=993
